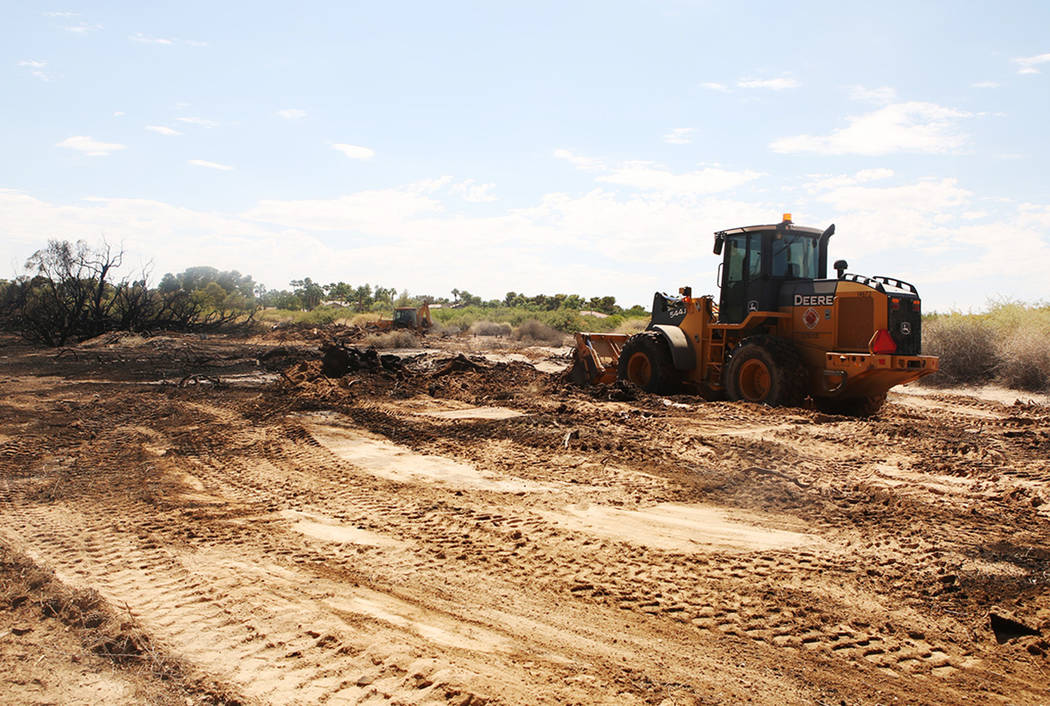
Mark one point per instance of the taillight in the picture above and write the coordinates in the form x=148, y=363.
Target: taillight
x=882, y=343
x=915, y=305
x=895, y=304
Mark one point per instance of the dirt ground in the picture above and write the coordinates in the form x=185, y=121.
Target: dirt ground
x=230, y=526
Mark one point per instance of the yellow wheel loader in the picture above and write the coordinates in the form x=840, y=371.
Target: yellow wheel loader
x=781, y=331
x=410, y=317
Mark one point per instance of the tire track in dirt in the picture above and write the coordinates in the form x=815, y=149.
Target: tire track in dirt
x=652, y=590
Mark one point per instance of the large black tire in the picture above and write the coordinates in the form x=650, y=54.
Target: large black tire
x=851, y=406
x=646, y=362
x=766, y=370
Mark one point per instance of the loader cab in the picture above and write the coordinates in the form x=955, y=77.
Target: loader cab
x=405, y=317
x=758, y=260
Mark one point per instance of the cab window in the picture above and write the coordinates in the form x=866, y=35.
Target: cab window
x=736, y=258
x=795, y=257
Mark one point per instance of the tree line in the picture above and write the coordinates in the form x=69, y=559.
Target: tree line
x=73, y=291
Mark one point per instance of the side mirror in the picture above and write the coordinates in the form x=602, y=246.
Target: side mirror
x=718, y=244
x=840, y=267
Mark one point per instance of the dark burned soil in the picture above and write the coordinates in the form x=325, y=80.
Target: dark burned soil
x=468, y=529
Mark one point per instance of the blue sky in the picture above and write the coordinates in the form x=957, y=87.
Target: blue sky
x=535, y=147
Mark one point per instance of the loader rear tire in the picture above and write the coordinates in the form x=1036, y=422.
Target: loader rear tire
x=646, y=362
x=766, y=370
x=851, y=406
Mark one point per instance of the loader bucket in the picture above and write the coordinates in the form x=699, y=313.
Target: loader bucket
x=596, y=358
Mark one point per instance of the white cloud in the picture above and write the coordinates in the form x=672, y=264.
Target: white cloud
x=119, y=114
x=422, y=235
x=579, y=161
x=354, y=151
x=163, y=130
x=198, y=121
x=292, y=114
x=90, y=146
x=984, y=84
x=36, y=67
x=1027, y=65
x=713, y=86
x=651, y=176
x=773, y=84
x=821, y=182
x=83, y=28
x=143, y=39
x=878, y=96
x=210, y=165
x=679, y=136
x=901, y=127
x=61, y=14
x=473, y=192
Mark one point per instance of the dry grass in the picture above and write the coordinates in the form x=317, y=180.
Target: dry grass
x=966, y=347
x=390, y=339
x=1007, y=345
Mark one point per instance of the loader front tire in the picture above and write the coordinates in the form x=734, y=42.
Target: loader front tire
x=646, y=361
x=851, y=406
x=766, y=370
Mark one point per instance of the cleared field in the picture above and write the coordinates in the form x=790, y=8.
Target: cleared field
x=460, y=530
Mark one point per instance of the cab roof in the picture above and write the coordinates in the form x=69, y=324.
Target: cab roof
x=774, y=226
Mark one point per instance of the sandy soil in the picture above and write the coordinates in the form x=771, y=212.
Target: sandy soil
x=471, y=530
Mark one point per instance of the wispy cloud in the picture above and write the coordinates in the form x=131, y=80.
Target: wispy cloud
x=119, y=114
x=900, y=127
x=83, y=28
x=354, y=151
x=679, y=136
x=36, y=68
x=165, y=41
x=163, y=130
x=878, y=96
x=773, y=84
x=61, y=13
x=292, y=114
x=713, y=86
x=198, y=121
x=1027, y=64
x=143, y=39
x=90, y=146
x=985, y=84
x=210, y=165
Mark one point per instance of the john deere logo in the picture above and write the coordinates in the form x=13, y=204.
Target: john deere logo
x=811, y=318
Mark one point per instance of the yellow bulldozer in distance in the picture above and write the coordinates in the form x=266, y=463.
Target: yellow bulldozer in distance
x=782, y=330
x=407, y=317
